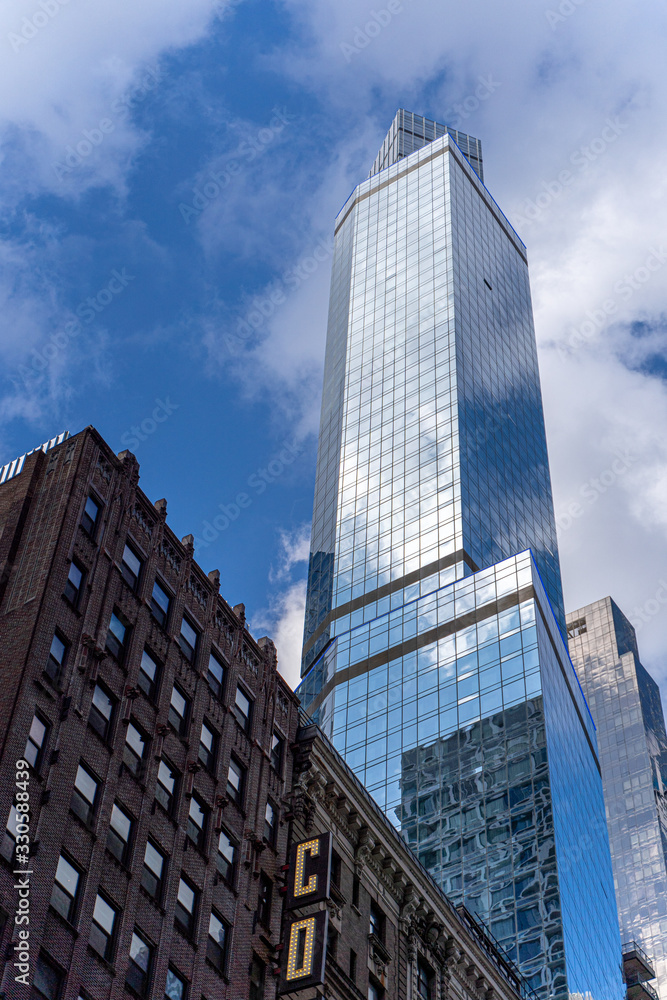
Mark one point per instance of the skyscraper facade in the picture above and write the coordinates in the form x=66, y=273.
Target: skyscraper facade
x=626, y=705
x=433, y=654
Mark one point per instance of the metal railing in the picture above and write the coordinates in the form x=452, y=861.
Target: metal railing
x=631, y=946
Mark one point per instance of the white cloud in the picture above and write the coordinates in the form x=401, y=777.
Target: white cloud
x=283, y=621
x=294, y=549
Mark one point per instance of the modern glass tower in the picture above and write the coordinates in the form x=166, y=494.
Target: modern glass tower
x=433, y=653
x=626, y=705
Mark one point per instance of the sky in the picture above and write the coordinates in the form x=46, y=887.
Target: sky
x=169, y=179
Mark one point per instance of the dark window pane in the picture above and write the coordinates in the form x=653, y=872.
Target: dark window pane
x=160, y=603
x=139, y=967
x=188, y=639
x=166, y=785
x=178, y=711
x=235, y=782
x=48, y=980
x=131, y=567
x=73, y=585
x=91, y=513
x=120, y=828
x=226, y=856
x=241, y=709
x=56, y=658
x=207, y=743
x=216, y=675
x=116, y=637
x=175, y=988
x=148, y=675
x=101, y=711
x=216, y=945
x=35, y=742
x=276, y=752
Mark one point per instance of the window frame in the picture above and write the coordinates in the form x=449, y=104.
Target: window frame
x=56, y=675
x=270, y=827
x=228, y=875
x=199, y=837
x=44, y=959
x=156, y=881
x=138, y=769
x=151, y=686
x=72, y=592
x=236, y=795
x=91, y=806
x=108, y=726
x=216, y=686
x=180, y=726
x=113, y=835
x=188, y=926
x=91, y=530
x=189, y=651
x=264, y=900
x=425, y=975
x=277, y=748
x=132, y=578
x=41, y=748
x=73, y=899
x=109, y=936
x=216, y=953
x=170, y=796
x=171, y=971
x=160, y=614
x=112, y=643
x=141, y=988
x=209, y=756
x=244, y=721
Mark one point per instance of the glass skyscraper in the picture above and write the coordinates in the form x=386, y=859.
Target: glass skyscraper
x=626, y=704
x=433, y=653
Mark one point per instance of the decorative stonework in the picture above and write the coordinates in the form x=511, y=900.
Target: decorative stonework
x=144, y=523
x=171, y=556
x=197, y=591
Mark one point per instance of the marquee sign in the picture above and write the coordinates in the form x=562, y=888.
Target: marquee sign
x=305, y=952
x=309, y=872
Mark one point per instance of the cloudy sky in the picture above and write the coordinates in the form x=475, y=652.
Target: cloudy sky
x=169, y=178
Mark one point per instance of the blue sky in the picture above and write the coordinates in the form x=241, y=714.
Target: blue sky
x=168, y=186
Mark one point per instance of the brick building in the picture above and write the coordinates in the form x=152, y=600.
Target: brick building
x=155, y=729
x=169, y=777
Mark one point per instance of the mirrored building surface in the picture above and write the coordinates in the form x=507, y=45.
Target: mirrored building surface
x=626, y=705
x=433, y=654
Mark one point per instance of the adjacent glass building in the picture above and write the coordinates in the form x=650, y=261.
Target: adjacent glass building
x=626, y=704
x=433, y=653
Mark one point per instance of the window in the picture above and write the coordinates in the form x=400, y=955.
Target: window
x=65, y=889
x=102, y=927
x=197, y=817
x=226, y=858
x=175, y=988
x=90, y=517
x=48, y=981
x=57, y=656
x=353, y=966
x=134, y=750
x=178, y=711
x=116, y=637
x=185, y=906
x=216, y=675
x=374, y=992
x=139, y=966
x=84, y=796
x=36, y=741
x=74, y=584
x=165, y=790
x=424, y=980
x=235, y=781
x=160, y=601
x=376, y=924
x=207, y=747
x=257, y=975
x=149, y=673
x=270, y=823
x=120, y=831
x=264, y=900
x=101, y=711
x=216, y=946
x=130, y=567
x=276, y=752
x=356, y=885
x=152, y=874
x=188, y=639
x=241, y=709
x=336, y=867
x=8, y=846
